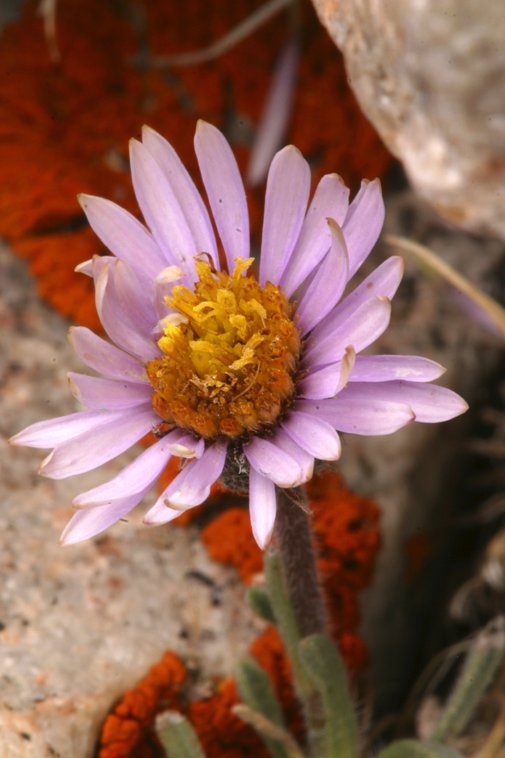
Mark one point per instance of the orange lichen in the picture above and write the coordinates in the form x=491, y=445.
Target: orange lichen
x=221, y=733
x=128, y=729
x=65, y=125
x=241, y=551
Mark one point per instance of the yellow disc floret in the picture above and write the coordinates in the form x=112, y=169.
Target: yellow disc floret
x=230, y=351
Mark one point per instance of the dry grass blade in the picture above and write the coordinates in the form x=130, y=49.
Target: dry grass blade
x=434, y=263
x=47, y=9
x=225, y=43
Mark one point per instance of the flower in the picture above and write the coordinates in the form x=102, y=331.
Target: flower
x=246, y=377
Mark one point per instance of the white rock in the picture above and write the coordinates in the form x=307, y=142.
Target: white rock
x=430, y=76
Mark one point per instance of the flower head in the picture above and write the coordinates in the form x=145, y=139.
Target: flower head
x=246, y=373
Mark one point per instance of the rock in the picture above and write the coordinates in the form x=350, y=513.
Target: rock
x=430, y=76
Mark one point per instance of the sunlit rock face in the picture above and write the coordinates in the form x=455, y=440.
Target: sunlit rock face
x=430, y=75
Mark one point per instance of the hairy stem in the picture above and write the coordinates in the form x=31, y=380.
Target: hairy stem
x=296, y=550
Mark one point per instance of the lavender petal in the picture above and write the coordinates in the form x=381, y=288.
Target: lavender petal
x=199, y=476
x=127, y=319
x=262, y=507
x=94, y=447
x=161, y=513
x=161, y=209
x=184, y=188
x=225, y=191
x=314, y=435
x=123, y=235
x=276, y=113
x=137, y=477
x=361, y=327
x=363, y=415
x=382, y=282
x=383, y=368
x=105, y=358
x=271, y=461
x=191, y=486
x=304, y=459
x=363, y=223
x=94, y=265
x=324, y=289
x=96, y=393
x=62, y=429
x=286, y=199
x=328, y=380
x=429, y=402
x=330, y=200
x=91, y=521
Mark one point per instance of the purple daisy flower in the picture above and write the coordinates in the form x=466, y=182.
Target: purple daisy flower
x=244, y=376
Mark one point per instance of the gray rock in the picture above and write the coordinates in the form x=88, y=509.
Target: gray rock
x=430, y=76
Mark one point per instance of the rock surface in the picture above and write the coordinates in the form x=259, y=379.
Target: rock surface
x=430, y=76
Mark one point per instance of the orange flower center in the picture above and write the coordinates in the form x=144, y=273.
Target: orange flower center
x=230, y=351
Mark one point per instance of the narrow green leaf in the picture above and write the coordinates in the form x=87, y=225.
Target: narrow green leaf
x=257, y=692
x=177, y=736
x=271, y=733
x=259, y=601
x=325, y=667
x=480, y=667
